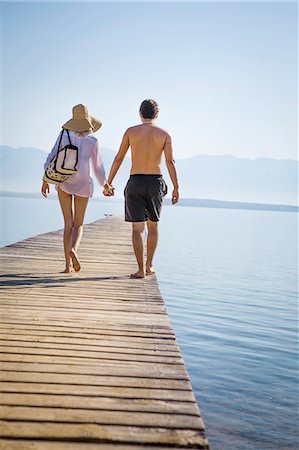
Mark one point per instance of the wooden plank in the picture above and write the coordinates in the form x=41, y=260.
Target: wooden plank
x=55, y=400
x=138, y=318
x=116, y=304
x=87, y=414
x=103, y=343
x=8, y=352
x=146, y=316
x=9, y=444
x=89, y=359
x=104, y=340
x=106, y=329
x=102, y=328
x=51, y=365
x=145, y=337
x=118, y=347
x=45, y=385
x=36, y=375
x=99, y=433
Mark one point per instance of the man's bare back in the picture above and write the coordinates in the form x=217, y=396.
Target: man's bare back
x=147, y=143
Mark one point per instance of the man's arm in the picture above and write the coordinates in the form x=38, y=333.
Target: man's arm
x=170, y=164
x=119, y=157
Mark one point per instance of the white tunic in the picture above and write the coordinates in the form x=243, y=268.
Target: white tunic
x=81, y=183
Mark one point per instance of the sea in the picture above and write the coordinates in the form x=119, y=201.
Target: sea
x=229, y=278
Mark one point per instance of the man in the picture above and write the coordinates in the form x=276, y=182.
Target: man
x=146, y=187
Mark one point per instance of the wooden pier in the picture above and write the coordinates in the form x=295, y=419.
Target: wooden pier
x=89, y=360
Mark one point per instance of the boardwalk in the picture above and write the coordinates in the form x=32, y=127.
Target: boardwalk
x=89, y=360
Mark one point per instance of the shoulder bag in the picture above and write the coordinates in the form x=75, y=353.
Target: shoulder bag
x=64, y=164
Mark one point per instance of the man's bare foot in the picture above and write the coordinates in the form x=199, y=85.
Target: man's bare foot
x=139, y=274
x=75, y=260
x=150, y=270
x=67, y=270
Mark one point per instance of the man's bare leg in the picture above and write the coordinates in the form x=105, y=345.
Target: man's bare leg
x=152, y=241
x=138, y=245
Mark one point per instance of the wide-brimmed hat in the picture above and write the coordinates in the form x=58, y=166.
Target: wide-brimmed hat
x=82, y=121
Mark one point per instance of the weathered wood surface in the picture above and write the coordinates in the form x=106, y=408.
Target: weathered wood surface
x=89, y=360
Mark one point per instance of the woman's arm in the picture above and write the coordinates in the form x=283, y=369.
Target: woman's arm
x=97, y=165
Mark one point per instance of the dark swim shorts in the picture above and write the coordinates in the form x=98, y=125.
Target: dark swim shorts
x=143, y=197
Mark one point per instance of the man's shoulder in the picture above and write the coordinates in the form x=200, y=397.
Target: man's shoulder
x=133, y=128
x=136, y=128
x=162, y=130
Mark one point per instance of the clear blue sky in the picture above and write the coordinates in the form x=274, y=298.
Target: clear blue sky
x=224, y=74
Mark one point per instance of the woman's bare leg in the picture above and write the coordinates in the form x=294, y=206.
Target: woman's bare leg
x=80, y=208
x=66, y=207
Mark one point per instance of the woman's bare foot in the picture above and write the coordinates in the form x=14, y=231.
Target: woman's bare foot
x=68, y=269
x=150, y=270
x=139, y=274
x=75, y=260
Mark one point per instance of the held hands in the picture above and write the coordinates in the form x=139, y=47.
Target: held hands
x=175, y=196
x=45, y=190
x=108, y=190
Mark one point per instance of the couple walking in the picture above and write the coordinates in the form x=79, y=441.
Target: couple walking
x=144, y=191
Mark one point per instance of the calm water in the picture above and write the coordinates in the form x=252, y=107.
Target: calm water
x=229, y=278
x=25, y=217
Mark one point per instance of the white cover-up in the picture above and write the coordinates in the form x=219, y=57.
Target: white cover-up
x=81, y=183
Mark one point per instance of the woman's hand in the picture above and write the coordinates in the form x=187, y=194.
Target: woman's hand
x=45, y=189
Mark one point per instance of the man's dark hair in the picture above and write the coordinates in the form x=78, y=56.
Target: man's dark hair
x=149, y=109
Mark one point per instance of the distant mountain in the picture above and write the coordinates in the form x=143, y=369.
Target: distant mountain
x=226, y=177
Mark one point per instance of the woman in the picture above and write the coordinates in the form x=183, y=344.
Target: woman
x=80, y=185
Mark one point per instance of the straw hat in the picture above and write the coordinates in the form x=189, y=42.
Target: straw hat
x=82, y=121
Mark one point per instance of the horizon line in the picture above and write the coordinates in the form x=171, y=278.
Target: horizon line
x=209, y=202
x=178, y=158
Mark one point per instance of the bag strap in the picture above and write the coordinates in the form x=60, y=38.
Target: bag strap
x=60, y=139
x=68, y=134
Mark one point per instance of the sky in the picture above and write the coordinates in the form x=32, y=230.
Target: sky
x=224, y=74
